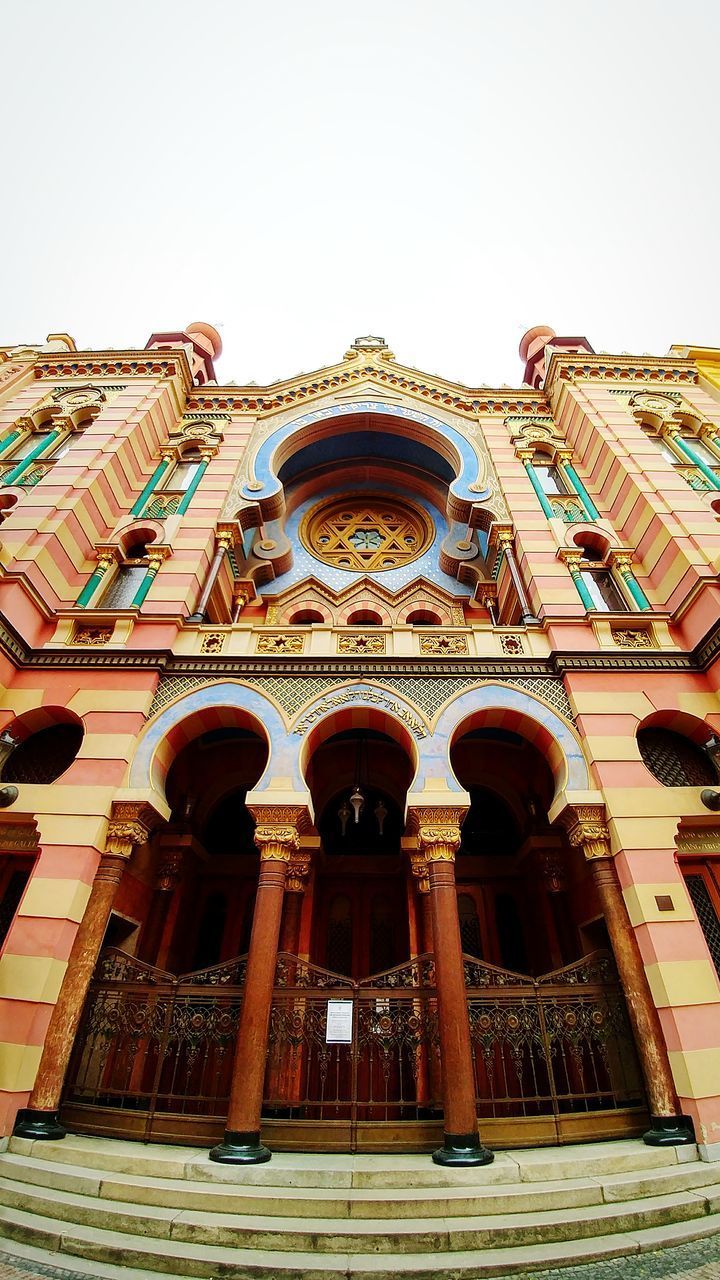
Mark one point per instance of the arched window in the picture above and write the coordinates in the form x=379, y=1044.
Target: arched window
x=676, y=761
x=364, y=618
x=44, y=756
x=552, y=481
x=423, y=618
x=601, y=583
x=127, y=579
x=306, y=618
x=184, y=472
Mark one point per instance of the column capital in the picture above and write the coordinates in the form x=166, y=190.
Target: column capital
x=277, y=834
x=106, y=556
x=502, y=536
x=525, y=453
x=298, y=871
x=227, y=536
x=564, y=454
x=130, y=824
x=156, y=555
x=419, y=868
x=169, y=869
x=587, y=829
x=572, y=557
x=438, y=831
x=622, y=561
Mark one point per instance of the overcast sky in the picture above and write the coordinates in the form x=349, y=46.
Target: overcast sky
x=445, y=173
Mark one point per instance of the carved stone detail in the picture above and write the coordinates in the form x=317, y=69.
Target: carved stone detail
x=281, y=644
x=632, y=637
x=419, y=868
x=443, y=644
x=362, y=643
x=213, y=642
x=92, y=636
x=512, y=643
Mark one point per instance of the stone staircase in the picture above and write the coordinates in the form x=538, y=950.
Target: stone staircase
x=120, y=1209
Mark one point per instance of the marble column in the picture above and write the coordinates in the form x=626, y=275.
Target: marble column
x=277, y=838
x=129, y=826
x=438, y=832
x=587, y=830
x=225, y=539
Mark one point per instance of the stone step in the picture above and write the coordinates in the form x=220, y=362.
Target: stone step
x=100, y=1253
x=287, y=1169
x=357, y=1202
x=479, y=1230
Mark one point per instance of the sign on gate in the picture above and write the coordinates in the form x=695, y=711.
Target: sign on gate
x=339, y=1022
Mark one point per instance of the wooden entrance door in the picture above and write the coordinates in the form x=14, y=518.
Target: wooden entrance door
x=361, y=925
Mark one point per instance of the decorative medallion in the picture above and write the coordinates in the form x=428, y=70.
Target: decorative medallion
x=366, y=532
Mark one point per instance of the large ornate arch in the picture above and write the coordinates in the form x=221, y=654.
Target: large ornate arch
x=259, y=484
x=227, y=703
x=502, y=706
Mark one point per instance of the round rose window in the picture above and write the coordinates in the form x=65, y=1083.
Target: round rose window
x=367, y=532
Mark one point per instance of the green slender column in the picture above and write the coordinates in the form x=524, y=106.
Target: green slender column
x=685, y=447
x=192, y=487
x=576, y=483
x=152, y=571
x=535, y=482
x=10, y=439
x=573, y=563
x=25, y=462
x=623, y=564
x=152, y=483
x=93, y=582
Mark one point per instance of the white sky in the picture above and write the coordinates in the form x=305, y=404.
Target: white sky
x=445, y=173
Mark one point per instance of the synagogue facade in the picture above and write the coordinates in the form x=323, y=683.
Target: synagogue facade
x=360, y=750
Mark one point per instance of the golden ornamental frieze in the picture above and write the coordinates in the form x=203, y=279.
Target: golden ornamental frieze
x=370, y=697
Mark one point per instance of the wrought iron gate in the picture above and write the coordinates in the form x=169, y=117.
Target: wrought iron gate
x=553, y=1056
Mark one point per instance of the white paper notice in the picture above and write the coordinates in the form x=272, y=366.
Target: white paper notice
x=339, y=1022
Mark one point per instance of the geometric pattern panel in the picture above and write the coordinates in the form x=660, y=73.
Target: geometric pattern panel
x=292, y=693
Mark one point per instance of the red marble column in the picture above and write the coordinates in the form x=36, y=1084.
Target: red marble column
x=129, y=826
x=167, y=878
x=226, y=537
x=587, y=830
x=438, y=841
x=276, y=836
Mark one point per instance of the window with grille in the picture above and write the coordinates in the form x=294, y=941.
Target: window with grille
x=10, y=900
x=674, y=760
x=45, y=755
x=122, y=590
x=469, y=926
x=706, y=914
x=604, y=591
x=338, y=953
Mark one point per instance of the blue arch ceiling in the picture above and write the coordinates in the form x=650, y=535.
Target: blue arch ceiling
x=366, y=444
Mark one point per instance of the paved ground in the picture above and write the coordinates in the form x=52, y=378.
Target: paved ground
x=697, y=1261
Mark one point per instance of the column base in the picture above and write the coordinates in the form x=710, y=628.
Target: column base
x=529, y=620
x=43, y=1126
x=196, y=617
x=240, y=1148
x=669, y=1131
x=462, y=1150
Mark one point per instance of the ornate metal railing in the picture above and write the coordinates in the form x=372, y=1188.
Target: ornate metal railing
x=552, y=1045
x=152, y=1045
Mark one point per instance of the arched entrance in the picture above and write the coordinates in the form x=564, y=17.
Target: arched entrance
x=351, y=1047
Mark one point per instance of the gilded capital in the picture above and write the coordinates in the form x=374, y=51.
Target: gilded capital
x=571, y=557
x=419, y=868
x=277, y=831
x=130, y=825
x=622, y=561
x=438, y=831
x=587, y=829
x=298, y=871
